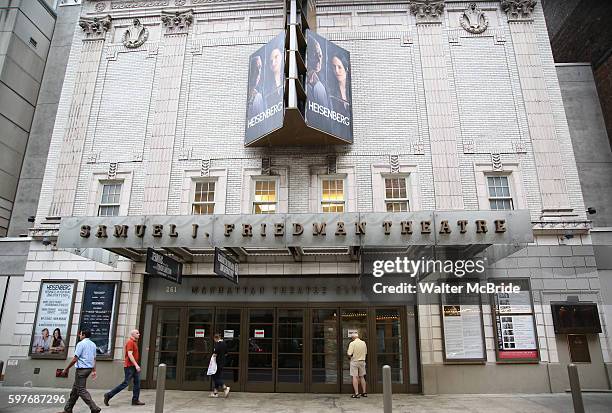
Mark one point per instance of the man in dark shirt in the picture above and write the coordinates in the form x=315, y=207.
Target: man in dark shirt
x=219, y=353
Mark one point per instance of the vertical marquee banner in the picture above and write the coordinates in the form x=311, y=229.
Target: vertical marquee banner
x=265, y=104
x=99, y=314
x=51, y=332
x=328, y=87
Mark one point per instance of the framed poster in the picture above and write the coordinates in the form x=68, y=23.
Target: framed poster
x=51, y=330
x=462, y=327
x=99, y=310
x=515, y=329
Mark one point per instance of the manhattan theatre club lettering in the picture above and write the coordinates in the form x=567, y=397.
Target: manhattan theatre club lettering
x=317, y=229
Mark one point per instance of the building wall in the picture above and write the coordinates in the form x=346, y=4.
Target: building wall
x=410, y=81
x=25, y=36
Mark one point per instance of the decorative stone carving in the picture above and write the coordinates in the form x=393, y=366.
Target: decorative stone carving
x=518, y=9
x=519, y=147
x=95, y=28
x=177, y=22
x=112, y=170
x=100, y=6
x=427, y=11
x=469, y=146
x=135, y=35
x=496, y=162
x=394, y=162
x=331, y=164
x=205, y=169
x=266, y=166
x=185, y=154
x=179, y=3
x=474, y=20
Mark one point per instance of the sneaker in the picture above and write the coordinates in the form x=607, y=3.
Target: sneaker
x=355, y=396
x=137, y=403
x=106, y=400
x=226, y=391
x=213, y=395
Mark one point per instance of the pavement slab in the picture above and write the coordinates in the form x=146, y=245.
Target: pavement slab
x=196, y=401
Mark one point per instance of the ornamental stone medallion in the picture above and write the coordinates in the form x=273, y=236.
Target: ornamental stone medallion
x=473, y=20
x=135, y=35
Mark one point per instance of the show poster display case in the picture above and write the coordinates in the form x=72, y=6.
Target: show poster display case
x=462, y=326
x=51, y=332
x=515, y=328
x=99, y=314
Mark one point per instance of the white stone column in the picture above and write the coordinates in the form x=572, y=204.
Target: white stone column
x=69, y=163
x=165, y=110
x=546, y=150
x=439, y=104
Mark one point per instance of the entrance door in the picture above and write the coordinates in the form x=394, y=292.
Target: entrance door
x=261, y=348
x=167, y=337
x=389, y=341
x=352, y=320
x=325, y=352
x=290, y=352
x=198, y=348
x=227, y=323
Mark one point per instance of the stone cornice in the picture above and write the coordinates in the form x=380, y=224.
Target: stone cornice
x=96, y=27
x=519, y=10
x=427, y=11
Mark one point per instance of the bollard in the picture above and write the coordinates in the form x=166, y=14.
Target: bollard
x=387, y=403
x=161, y=388
x=574, y=380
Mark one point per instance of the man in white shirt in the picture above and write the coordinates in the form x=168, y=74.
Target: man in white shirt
x=357, y=351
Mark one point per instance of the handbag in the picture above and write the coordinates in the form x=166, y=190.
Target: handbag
x=212, y=366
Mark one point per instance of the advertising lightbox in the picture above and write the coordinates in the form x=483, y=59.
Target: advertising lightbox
x=266, y=88
x=328, y=88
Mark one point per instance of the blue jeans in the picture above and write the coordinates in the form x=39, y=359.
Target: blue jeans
x=130, y=373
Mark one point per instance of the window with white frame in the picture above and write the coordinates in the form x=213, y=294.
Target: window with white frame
x=265, y=196
x=332, y=195
x=396, y=195
x=110, y=201
x=500, y=197
x=203, y=198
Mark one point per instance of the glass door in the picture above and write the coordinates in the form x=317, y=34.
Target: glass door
x=389, y=344
x=227, y=323
x=261, y=347
x=325, y=351
x=198, y=348
x=353, y=320
x=167, y=337
x=290, y=353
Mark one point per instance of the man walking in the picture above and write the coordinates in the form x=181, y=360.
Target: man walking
x=219, y=353
x=85, y=360
x=357, y=351
x=131, y=369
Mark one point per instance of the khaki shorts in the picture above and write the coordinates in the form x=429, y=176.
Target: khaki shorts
x=357, y=368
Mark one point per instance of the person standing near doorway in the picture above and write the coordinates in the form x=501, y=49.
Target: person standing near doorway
x=219, y=352
x=85, y=360
x=131, y=369
x=357, y=351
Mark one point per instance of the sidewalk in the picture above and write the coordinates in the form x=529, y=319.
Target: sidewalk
x=188, y=402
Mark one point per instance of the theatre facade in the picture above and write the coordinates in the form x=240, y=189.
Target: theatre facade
x=261, y=169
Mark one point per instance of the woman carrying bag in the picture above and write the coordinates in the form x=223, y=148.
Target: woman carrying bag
x=215, y=367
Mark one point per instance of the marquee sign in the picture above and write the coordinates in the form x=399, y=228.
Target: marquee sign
x=375, y=230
